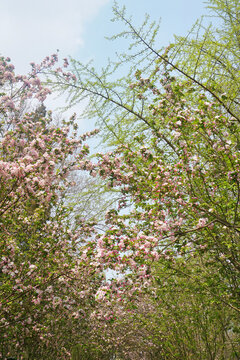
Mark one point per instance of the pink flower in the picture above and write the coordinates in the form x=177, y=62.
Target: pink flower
x=202, y=222
x=15, y=171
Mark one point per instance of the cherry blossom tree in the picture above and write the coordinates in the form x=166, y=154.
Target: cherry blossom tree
x=47, y=280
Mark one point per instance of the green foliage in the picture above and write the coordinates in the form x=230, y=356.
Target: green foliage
x=207, y=58
x=173, y=127
x=210, y=54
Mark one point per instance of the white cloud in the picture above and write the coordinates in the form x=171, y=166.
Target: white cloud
x=31, y=30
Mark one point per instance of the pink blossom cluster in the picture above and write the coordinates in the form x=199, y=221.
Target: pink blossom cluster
x=44, y=275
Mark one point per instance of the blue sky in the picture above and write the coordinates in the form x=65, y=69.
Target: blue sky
x=177, y=17
x=30, y=29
